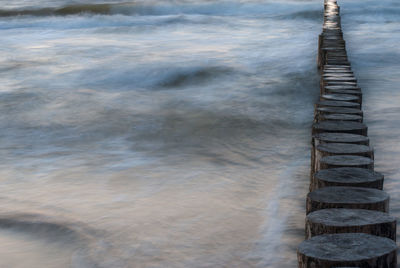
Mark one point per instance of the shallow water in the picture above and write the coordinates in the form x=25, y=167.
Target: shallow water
x=170, y=133
x=372, y=34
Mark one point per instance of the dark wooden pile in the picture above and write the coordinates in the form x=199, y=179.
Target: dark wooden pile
x=347, y=221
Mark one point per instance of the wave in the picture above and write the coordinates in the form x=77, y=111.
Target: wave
x=75, y=235
x=161, y=77
x=47, y=227
x=67, y=10
x=305, y=14
x=143, y=8
x=193, y=76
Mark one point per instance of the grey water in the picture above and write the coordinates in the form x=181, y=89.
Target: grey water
x=173, y=133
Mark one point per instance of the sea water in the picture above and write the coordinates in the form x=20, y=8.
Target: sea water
x=173, y=133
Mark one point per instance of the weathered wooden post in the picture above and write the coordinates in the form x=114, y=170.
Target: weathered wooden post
x=322, y=111
x=339, y=117
x=331, y=149
x=333, y=137
x=345, y=104
x=348, y=176
x=341, y=220
x=340, y=127
x=336, y=161
x=335, y=149
x=347, y=224
x=347, y=197
x=347, y=249
x=341, y=97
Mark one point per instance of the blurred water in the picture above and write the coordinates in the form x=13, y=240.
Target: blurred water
x=372, y=34
x=171, y=133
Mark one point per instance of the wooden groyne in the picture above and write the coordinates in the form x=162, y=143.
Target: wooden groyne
x=347, y=220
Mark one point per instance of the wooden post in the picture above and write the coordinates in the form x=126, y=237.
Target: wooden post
x=337, y=74
x=328, y=90
x=341, y=220
x=320, y=56
x=336, y=161
x=326, y=137
x=332, y=137
x=339, y=117
x=329, y=149
x=349, y=249
x=346, y=176
x=346, y=221
x=336, y=149
x=337, y=110
x=345, y=104
x=341, y=97
x=340, y=127
x=347, y=197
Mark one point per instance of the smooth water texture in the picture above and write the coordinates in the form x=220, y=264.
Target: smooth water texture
x=372, y=35
x=172, y=133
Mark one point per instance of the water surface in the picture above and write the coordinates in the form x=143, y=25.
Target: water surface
x=172, y=133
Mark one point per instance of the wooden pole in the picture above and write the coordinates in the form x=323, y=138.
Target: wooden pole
x=347, y=176
x=347, y=223
x=347, y=197
x=341, y=220
x=348, y=249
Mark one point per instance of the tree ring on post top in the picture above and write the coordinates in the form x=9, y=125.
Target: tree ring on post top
x=337, y=110
x=347, y=176
x=340, y=127
x=341, y=220
x=332, y=137
x=336, y=161
x=347, y=197
x=347, y=249
x=326, y=103
x=340, y=117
